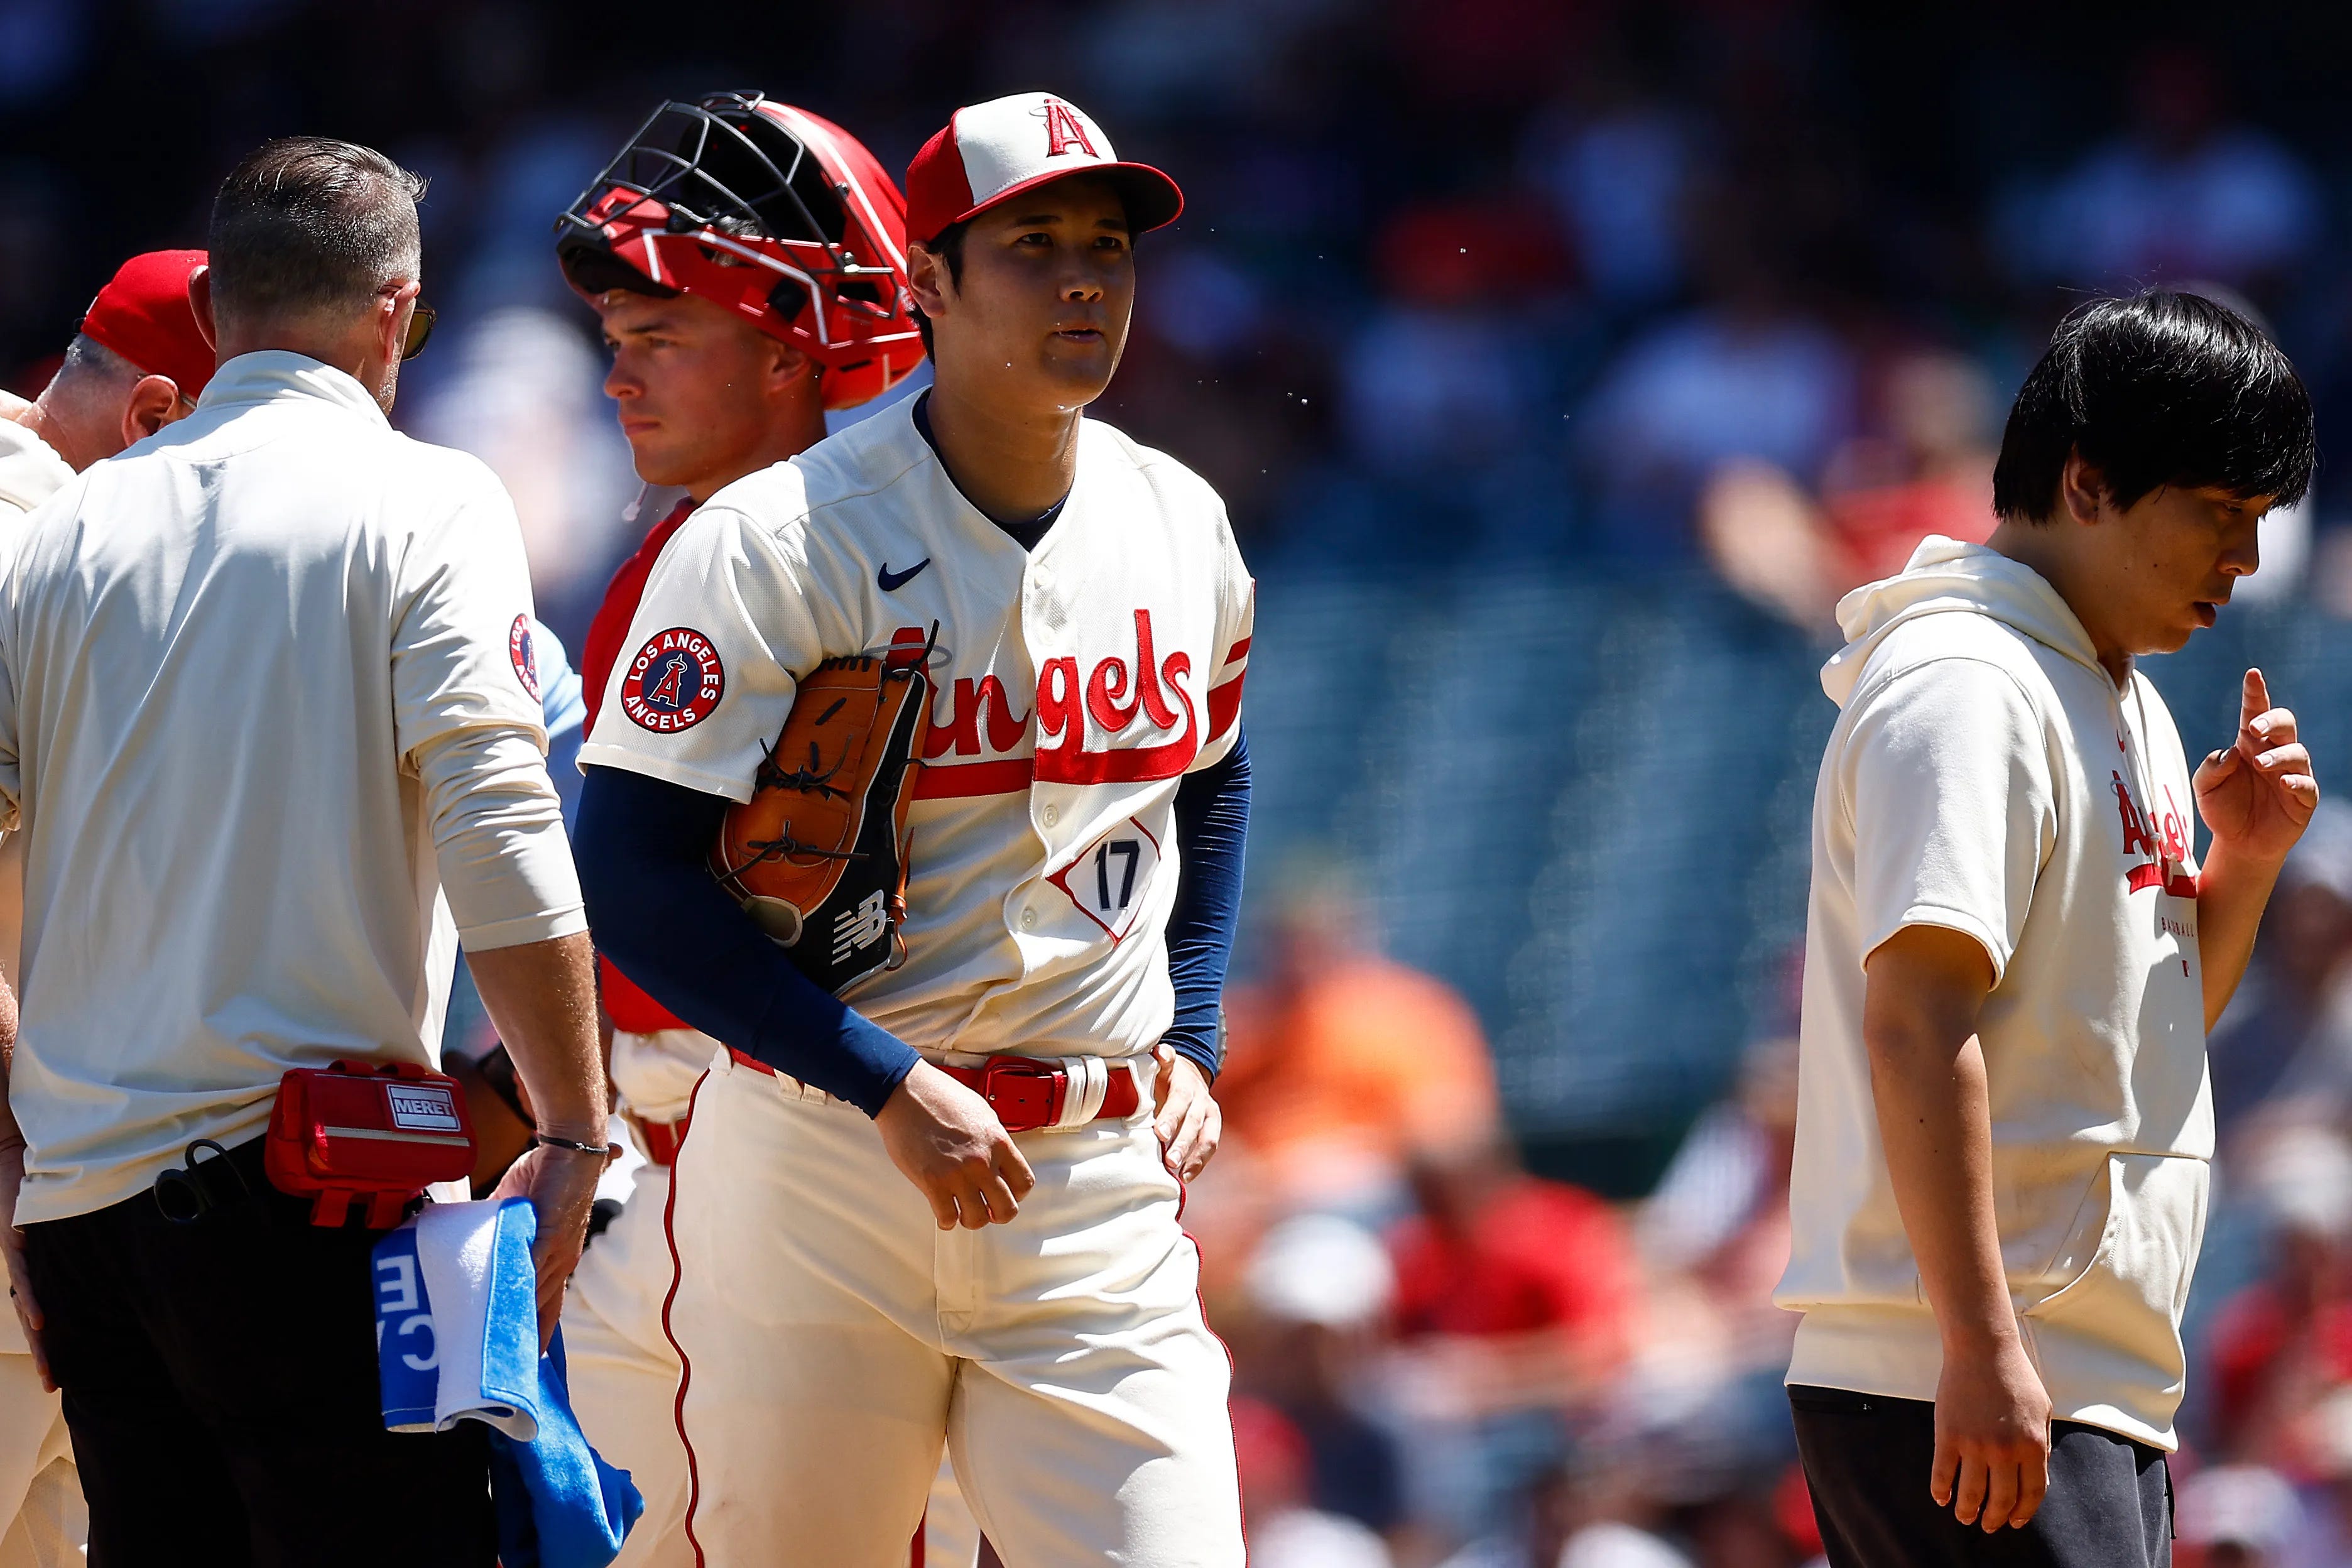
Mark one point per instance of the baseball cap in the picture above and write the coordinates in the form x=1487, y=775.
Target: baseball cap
x=143, y=314
x=989, y=152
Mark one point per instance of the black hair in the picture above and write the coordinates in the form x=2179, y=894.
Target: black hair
x=2161, y=388
x=948, y=246
x=307, y=223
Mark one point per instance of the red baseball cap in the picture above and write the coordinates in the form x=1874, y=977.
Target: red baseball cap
x=993, y=151
x=143, y=314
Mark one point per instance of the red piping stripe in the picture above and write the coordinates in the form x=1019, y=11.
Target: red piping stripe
x=686, y=1367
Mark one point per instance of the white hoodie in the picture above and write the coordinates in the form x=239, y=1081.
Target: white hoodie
x=1988, y=776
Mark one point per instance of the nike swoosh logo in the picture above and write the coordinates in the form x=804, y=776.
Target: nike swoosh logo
x=893, y=581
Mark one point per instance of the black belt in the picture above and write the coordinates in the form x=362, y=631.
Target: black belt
x=210, y=1179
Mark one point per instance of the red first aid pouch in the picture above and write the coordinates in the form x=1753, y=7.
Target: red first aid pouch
x=382, y=1131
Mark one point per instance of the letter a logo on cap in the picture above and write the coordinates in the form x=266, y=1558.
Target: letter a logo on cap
x=989, y=152
x=1065, y=129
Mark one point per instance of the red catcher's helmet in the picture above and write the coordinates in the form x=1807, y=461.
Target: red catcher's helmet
x=765, y=210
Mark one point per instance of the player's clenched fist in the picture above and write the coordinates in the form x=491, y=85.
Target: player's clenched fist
x=948, y=1141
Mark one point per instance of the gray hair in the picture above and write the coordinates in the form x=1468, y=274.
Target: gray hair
x=88, y=360
x=308, y=225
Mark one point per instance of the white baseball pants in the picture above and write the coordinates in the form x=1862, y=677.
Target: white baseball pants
x=43, y=1521
x=833, y=1339
x=624, y=1381
x=624, y=1375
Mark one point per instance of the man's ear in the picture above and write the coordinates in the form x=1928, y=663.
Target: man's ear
x=391, y=331
x=2081, y=489
x=790, y=364
x=200, y=300
x=927, y=280
x=155, y=403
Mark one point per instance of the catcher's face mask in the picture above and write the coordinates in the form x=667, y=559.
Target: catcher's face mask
x=765, y=210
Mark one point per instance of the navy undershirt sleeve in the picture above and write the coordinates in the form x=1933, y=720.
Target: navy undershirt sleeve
x=1211, y=822
x=656, y=912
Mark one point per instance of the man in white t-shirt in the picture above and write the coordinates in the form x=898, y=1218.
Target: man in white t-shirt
x=268, y=727
x=2013, y=955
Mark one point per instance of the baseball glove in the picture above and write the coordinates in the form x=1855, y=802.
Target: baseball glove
x=818, y=854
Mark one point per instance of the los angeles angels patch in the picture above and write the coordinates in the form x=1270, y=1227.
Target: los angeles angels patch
x=524, y=655
x=673, y=683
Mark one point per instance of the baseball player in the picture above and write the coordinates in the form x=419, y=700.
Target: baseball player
x=941, y=1208
x=138, y=362
x=779, y=246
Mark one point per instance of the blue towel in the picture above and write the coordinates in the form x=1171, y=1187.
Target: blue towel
x=475, y=1261
x=560, y=1504
x=456, y=1322
x=458, y=1338
x=408, y=1358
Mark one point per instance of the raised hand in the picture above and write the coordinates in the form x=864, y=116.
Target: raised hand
x=2257, y=796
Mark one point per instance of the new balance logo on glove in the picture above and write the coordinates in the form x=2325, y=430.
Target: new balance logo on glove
x=860, y=927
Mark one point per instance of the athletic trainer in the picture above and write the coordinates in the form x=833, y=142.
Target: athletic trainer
x=2014, y=954
x=268, y=726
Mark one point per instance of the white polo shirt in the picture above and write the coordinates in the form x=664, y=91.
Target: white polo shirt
x=220, y=656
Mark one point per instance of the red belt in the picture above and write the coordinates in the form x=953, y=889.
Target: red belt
x=1027, y=1094
x=661, y=1139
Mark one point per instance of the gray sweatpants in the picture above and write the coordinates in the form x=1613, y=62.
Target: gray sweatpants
x=1867, y=1459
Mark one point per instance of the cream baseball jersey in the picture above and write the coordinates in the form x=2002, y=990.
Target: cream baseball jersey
x=1074, y=688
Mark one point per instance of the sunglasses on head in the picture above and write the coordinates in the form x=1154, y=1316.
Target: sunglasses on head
x=420, y=330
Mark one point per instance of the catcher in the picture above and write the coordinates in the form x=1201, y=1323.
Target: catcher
x=937, y=1205
x=781, y=247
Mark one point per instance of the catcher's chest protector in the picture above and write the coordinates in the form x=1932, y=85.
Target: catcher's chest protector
x=818, y=854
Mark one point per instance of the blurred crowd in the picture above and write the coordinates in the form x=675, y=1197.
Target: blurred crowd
x=1634, y=285
x=1440, y=1357
x=1639, y=287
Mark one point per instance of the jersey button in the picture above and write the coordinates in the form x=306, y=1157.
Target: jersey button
x=1053, y=815
x=1028, y=920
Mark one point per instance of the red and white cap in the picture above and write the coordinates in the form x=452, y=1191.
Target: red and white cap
x=993, y=150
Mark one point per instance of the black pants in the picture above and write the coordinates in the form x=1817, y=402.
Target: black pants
x=220, y=1385
x=1867, y=1460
